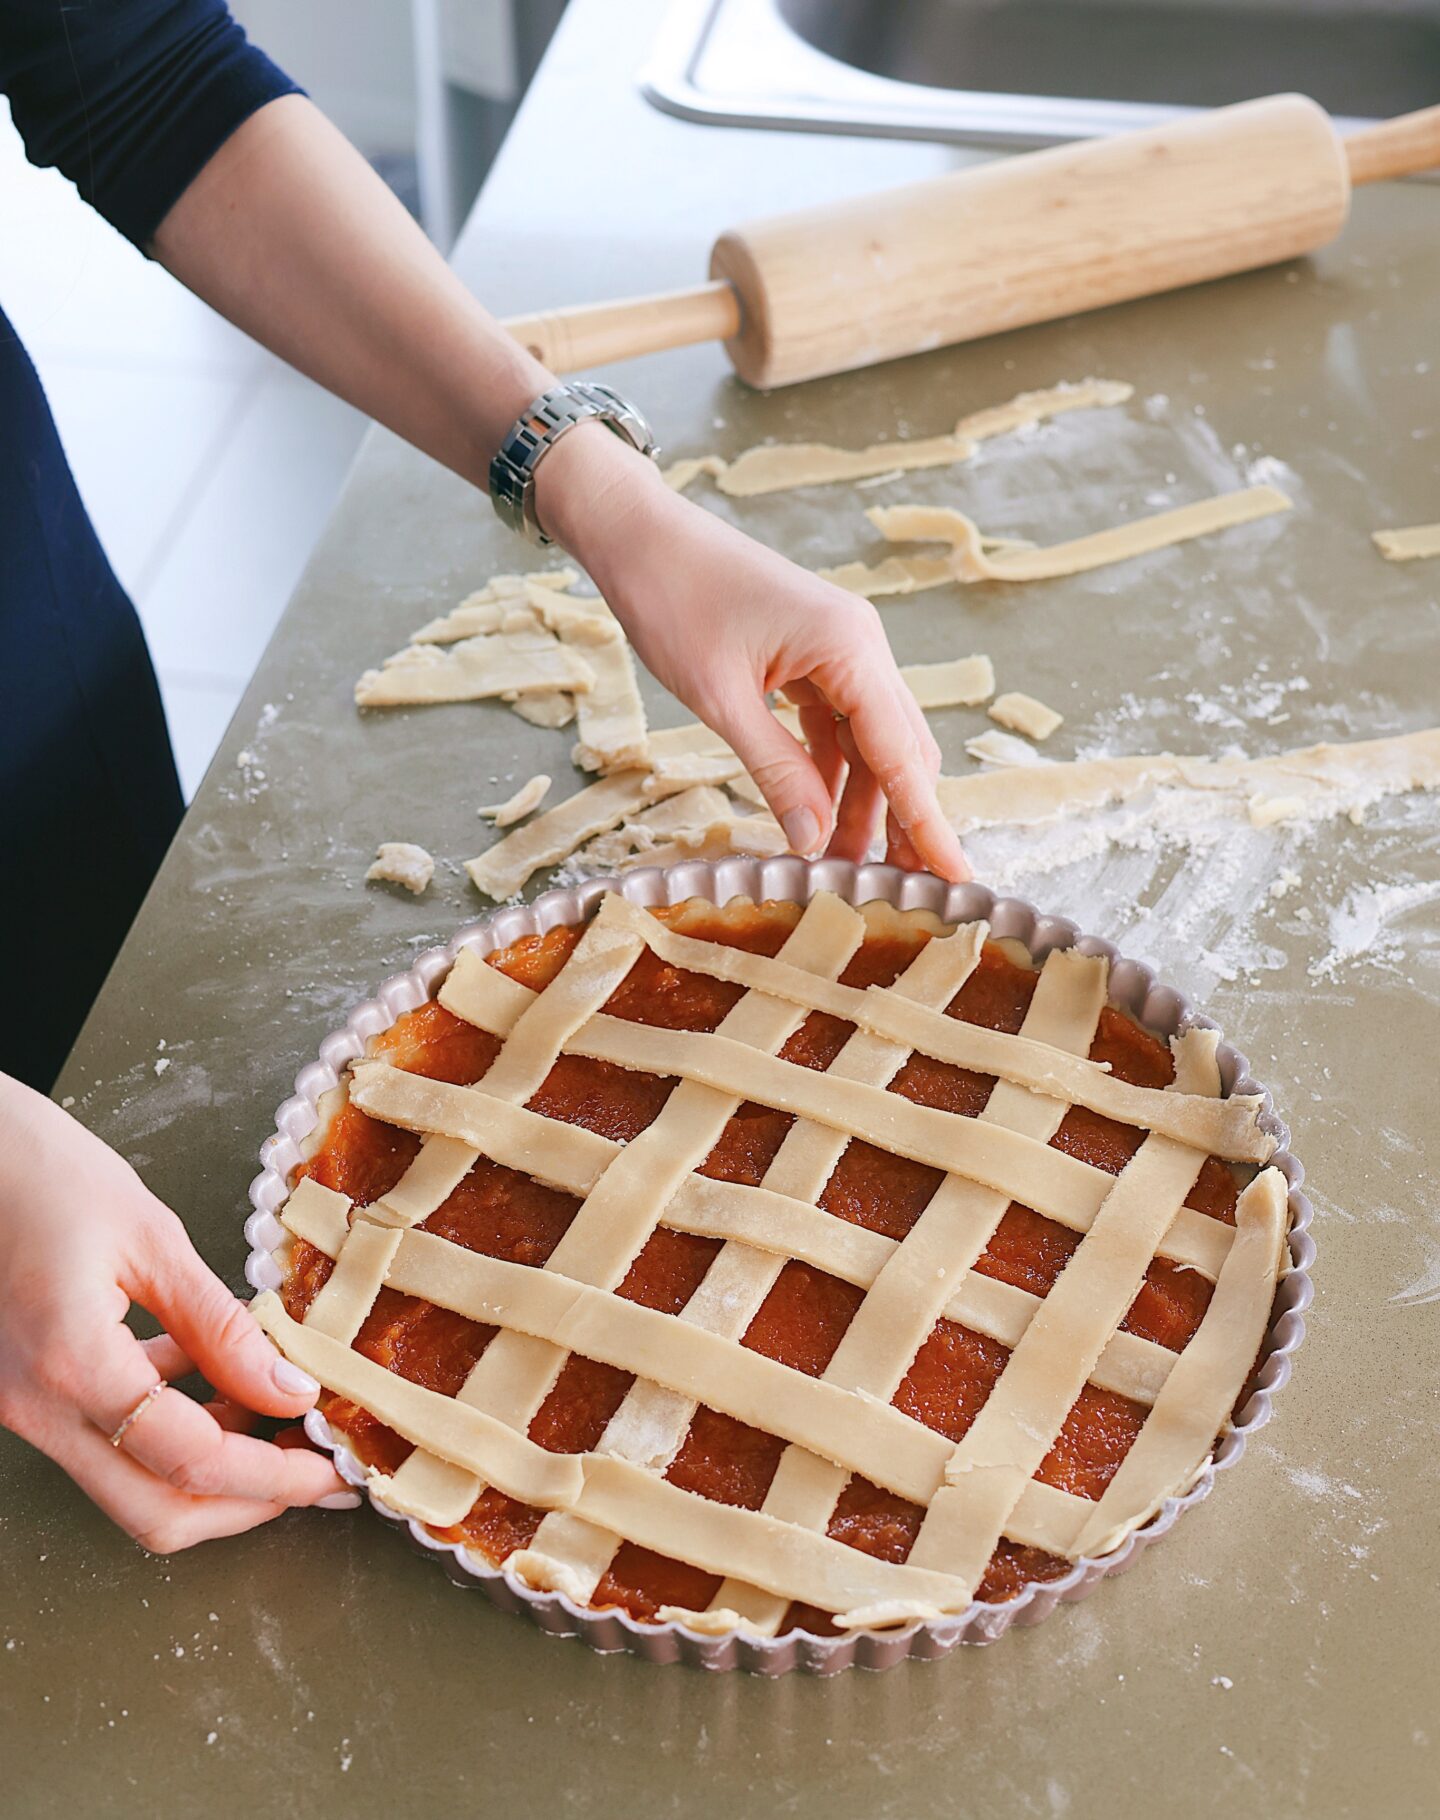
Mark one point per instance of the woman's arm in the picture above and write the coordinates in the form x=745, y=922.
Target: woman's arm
x=288, y=232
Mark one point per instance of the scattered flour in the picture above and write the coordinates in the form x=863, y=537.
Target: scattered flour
x=1316, y=1484
x=1426, y=1287
x=1360, y=926
x=1173, y=878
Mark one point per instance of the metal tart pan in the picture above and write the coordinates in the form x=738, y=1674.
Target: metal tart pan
x=1134, y=988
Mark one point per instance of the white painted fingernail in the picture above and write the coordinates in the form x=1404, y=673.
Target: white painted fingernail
x=293, y=1381
x=802, y=830
x=339, y=1500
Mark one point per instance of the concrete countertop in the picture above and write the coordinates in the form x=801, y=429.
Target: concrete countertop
x=1276, y=1655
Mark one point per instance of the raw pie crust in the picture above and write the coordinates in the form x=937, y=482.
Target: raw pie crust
x=973, y=1492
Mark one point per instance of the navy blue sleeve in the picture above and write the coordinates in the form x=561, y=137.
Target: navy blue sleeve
x=130, y=98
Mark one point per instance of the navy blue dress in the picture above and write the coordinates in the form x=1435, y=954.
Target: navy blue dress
x=129, y=98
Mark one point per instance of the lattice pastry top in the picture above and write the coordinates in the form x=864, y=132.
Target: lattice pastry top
x=831, y=1285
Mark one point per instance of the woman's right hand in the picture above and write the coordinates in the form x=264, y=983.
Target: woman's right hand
x=81, y=1238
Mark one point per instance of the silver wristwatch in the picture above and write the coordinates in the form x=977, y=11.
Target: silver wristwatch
x=512, y=472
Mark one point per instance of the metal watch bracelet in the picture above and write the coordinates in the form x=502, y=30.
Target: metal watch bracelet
x=535, y=433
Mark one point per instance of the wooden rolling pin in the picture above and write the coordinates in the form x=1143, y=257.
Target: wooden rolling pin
x=999, y=245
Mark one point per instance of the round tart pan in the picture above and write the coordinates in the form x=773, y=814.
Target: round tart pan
x=1133, y=988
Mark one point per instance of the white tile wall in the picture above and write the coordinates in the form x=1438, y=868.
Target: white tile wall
x=208, y=467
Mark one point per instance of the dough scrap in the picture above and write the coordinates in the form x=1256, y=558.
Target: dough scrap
x=515, y=808
x=530, y=612
x=485, y=610
x=996, y=748
x=699, y=823
x=1408, y=545
x=1024, y=714
x=612, y=728
x=1321, y=781
x=957, y=682
x=686, y=769
x=401, y=862
x=1265, y=811
x=686, y=819
x=546, y=708
x=679, y=474
x=778, y=467
x=757, y=835
x=495, y=664
x=506, y=867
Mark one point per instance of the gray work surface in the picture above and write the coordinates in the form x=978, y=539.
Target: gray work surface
x=1276, y=1654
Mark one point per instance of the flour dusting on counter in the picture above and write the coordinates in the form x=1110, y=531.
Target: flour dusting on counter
x=1362, y=924
x=1178, y=878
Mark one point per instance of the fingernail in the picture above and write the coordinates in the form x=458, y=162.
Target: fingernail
x=802, y=830
x=339, y=1500
x=293, y=1381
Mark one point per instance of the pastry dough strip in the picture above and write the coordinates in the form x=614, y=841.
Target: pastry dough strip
x=718, y=1538
x=1196, y=1401
x=1327, y=779
x=858, y=1432
x=611, y=716
x=359, y=1274
x=317, y=1214
x=760, y=1219
x=911, y=1289
x=590, y=977
x=1045, y=1517
x=778, y=467
x=1059, y=1186
x=1225, y=1128
x=568, y=1156
x=975, y=557
x=678, y=757
x=1132, y=1367
x=515, y=1374
x=651, y=1423
x=1024, y=1413
x=562, y=1155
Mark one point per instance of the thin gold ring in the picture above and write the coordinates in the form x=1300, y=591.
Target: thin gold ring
x=138, y=1411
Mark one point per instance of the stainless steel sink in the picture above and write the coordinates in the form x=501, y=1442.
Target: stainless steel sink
x=1033, y=72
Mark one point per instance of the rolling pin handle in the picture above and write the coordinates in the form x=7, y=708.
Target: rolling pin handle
x=1395, y=148
x=569, y=341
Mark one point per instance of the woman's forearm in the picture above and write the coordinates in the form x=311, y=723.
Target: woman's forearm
x=290, y=234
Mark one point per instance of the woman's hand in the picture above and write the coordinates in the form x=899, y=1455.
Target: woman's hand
x=721, y=620
x=81, y=1238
